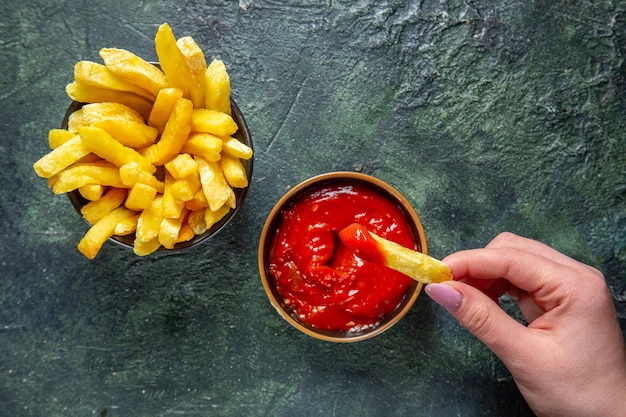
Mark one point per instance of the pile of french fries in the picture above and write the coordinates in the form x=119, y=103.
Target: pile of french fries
x=152, y=150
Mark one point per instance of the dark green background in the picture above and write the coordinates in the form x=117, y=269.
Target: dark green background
x=487, y=115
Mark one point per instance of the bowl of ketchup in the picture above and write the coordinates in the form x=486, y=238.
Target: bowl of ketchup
x=315, y=282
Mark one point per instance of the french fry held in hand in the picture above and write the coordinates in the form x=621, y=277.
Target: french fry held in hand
x=373, y=248
x=151, y=148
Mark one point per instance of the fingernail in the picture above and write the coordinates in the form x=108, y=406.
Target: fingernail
x=444, y=295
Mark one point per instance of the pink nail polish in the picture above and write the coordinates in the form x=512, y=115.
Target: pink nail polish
x=444, y=295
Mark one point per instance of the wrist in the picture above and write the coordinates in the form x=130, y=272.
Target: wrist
x=611, y=402
x=619, y=396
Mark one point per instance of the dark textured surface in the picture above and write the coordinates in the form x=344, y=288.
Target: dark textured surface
x=487, y=115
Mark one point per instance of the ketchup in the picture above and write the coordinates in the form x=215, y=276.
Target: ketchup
x=327, y=285
x=357, y=238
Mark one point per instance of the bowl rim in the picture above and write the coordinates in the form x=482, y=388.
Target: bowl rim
x=242, y=134
x=273, y=219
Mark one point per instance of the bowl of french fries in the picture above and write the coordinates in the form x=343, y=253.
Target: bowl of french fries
x=153, y=155
x=314, y=280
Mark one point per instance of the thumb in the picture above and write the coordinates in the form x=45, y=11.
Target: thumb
x=481, y=316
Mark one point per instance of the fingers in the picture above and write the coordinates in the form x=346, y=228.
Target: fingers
x=546, y=280
x=527, y=306
x=510, y=240
x=539, y=277
x=493, y=288
x=523, y=269
x=481, y=316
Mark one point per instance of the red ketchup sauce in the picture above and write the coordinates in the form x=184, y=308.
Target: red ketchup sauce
x=328, y=285
x=357, y=237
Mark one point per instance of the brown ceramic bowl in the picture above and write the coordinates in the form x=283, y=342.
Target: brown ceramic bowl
x=273, y=221
x=243, y=134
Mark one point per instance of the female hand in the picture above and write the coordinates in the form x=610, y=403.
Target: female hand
x=570, y=360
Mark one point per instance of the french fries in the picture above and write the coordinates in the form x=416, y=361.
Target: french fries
x=163, y=105
x=172, y=60
x=91, y=192
x=134, y=70
x=174, y=134
x=98, y=75
x=213, y=121
x=105, y=146
x=214, y=185
x=103, y=229
x=152, y=149
x=217, y=87
x=95, y=210
x=195, y=62
x=123, y=123
x=84, y=93
x=234, y=171
x=418, y=266
x=80, y=174
x=140, y=197
x=61, y=157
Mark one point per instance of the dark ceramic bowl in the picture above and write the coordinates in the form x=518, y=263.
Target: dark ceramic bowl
x=243, y=134
x=273, y=221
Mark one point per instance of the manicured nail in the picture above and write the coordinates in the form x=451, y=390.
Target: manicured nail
x=444, y=295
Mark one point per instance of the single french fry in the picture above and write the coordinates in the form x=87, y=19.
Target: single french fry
x=95, y=210
x=170, y=228
x=61, y=157
x=211, y=217
x=174, y=135
x=420, y=267
x=57, y=137
x=195, y=61
x=186, y=188
x=234, y=147
x=98, y=75
x=214, y=122
x=134, y=69
x=217, y=87
x=94, y=112
x=163, y=105
x=100, y=142
x=145, y=248
x=140, y=197
x=77, y=175
x=205, y=145
x=149, y=222
x=196, y=221
x=95, y=237
x=171, y=207
x=197, y=202
x=75, y=121
x=123, y=123
x=214, y=185
x=186, y=233
x=132, y=134
x=131, y=174
x=182, y=166
x=91, y=192
x=168, y=233
x=172, y=60
x=231, y=201
x=84, y=93
x=127, y=226
x=234, y=171
x=90, y=158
